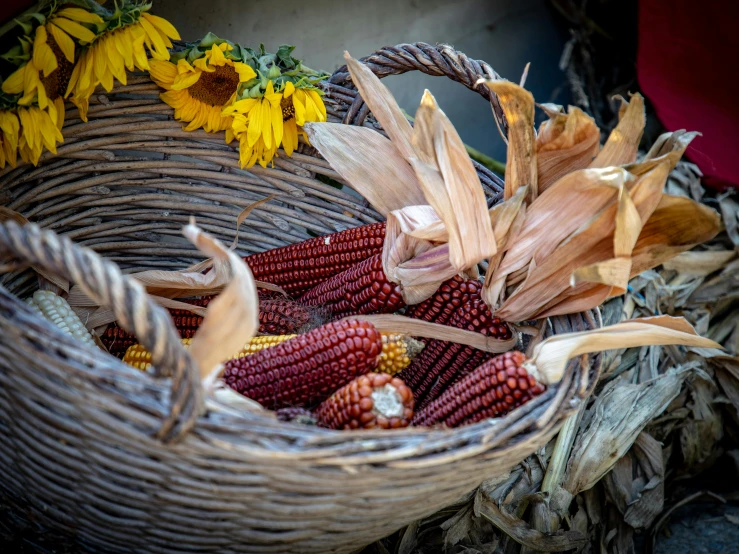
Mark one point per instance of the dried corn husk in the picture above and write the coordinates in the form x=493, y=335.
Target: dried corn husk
x=422, y=179
x=550, y=356
x=521, y=167
x=565, y=143
x=623, y=142
x=232, y=318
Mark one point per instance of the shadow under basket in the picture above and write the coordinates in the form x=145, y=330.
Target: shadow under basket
x=118, y=460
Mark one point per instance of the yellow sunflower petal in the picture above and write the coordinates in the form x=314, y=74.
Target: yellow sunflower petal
x=163, y=73
x=202, y=65
x=80, y=15
x=299, y=107
x=245, y=72
x=185, y=81
x=75, y=29
x=255, y=124
x=320, y=106
x=229, y=136
x=290, y=137
x=27, y=127
x=216, y=56
x=125, y=48
x=14, y=83
x=266, y=124
x=139, y=53
x=289, y=89
x=244, y=106
x=159, y=48
x=66, y=44
x=277, y=126
x=43, y=56
x=163, y=25
x=60, y=112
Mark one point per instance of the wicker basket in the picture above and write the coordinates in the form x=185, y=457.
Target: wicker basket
x=122, y=461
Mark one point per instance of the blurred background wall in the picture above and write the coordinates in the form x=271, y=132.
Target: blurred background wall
x=505, y=33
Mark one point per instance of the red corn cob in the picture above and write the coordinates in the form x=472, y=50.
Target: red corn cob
x=299, y=415
x=442, y=362
x=277, y=316
x=370, y=401
x=117, y=341
x=280, y=316
x=492, y=390
x=444, y=303
x=362, y=289
x=301, y=266
x=306, y=369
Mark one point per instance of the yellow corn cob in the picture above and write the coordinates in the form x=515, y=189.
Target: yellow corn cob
x=140, y=358
x=57, y=310
x=397, y=351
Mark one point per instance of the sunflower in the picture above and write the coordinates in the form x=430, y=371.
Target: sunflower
x=199, y=92
x=43, y=79
x=9, y=129
x=118, y=50
x=38, y=130
x=263, y=124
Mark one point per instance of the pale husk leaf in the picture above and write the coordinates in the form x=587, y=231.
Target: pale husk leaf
x=369, y=162
x=471, y=238
x=678, y=224
x=383, y=106
x=620, y=414
x=550, y=356
x=8, y=214
x=623, y=142
x=419, y=328
x=558, y=212
x=565, y=143
x=521, y=165
x=232, y=318
x=245, y=214
x=585, y=269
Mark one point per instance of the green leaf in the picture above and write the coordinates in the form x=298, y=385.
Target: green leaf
x=194, y=54
x=17, y=55
x=209, y=40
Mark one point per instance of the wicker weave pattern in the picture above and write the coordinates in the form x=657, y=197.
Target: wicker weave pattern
x=81, y=433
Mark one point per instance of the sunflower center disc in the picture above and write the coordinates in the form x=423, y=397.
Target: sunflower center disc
x=217, y=87
x=288, y=109
x=56, y=82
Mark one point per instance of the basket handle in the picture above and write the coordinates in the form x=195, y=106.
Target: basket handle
x=439, y=60
x=103, y=281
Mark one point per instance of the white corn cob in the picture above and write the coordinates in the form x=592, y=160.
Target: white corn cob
x=55, y=309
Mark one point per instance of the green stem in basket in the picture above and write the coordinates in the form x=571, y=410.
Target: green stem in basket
x=491, y=163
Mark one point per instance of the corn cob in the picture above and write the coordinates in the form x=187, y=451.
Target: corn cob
x=452, y=294
x=492, y=390
x=298, y=415
x=305, y=370
x=362, y=289
x=277, y=316
x=300, y=267
x=139, y=357
x=397, y=352
x=442, y=362
x=280, y=316
x=370, y=401
x=57, y=310
x=396, y=355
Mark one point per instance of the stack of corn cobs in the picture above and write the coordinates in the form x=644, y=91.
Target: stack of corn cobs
x=341, y=372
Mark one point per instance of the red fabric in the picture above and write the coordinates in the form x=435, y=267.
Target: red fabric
x=686, y=66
